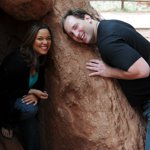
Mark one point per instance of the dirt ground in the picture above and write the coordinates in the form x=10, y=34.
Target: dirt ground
x=145, y=33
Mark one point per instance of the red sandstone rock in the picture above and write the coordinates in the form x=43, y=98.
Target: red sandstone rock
x=26, y=9
x=9, y=144
x=85, y=113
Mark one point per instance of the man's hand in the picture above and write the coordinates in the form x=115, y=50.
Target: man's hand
x=98, y=67
x=40, y=94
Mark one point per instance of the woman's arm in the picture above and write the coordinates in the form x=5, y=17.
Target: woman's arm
x=40, y=94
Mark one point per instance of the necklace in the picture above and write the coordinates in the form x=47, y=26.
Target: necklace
x=32, y=71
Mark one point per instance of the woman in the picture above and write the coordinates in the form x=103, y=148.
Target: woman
x=22, y=85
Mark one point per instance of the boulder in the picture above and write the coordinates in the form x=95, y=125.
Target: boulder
x=26, y=9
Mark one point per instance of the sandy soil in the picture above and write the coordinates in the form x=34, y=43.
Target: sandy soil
x=145, y=33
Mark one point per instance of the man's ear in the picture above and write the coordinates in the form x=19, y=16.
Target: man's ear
x=88, y=18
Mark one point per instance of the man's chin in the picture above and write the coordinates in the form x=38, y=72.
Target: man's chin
x=83, y=41
x=87, y=42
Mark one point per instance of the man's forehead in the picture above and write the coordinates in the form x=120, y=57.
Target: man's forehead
x=67, y=24
x=72, y=18
x=69, y=21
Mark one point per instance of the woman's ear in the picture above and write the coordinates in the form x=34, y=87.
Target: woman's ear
x=88, y=18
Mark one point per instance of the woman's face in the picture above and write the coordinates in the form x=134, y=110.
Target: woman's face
x=42, y=42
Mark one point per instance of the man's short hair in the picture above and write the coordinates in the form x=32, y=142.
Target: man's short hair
x=78, y=12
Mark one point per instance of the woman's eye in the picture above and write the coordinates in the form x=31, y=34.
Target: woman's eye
x=40, y=39
x=49, y=38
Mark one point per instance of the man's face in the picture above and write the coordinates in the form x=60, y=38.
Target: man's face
x=80, y=30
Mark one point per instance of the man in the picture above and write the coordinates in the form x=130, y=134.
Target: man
x=125, y=55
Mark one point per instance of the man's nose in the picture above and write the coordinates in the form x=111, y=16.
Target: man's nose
x=76, y=33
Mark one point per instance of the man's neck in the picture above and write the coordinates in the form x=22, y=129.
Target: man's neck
x=96, y=23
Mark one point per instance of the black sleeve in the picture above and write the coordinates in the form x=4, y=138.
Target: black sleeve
x=13, y=77
x=119, y=54
x=8, y=69
x=13, y=64
x=41, y=80
x=5, y=74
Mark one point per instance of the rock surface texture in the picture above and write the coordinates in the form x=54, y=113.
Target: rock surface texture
x=86, y=113
x=26, y=9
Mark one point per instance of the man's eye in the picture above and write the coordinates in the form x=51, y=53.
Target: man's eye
x=71, y=34
x=75, y=27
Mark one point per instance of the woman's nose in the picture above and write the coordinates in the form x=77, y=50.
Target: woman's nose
x=45, y=41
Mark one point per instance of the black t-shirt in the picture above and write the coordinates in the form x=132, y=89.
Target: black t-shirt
x=120, y=46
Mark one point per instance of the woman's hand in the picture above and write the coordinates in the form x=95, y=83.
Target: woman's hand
x=30, y=99
x=40, y=94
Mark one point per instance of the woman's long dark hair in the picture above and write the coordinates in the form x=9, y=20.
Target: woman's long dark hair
x=26, y=48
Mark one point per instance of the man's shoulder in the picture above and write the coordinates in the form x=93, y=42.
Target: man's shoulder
x=114, y=24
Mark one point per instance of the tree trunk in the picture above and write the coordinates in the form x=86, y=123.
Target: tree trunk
x=84, y=113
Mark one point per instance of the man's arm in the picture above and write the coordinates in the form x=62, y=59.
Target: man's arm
x=139, y=69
